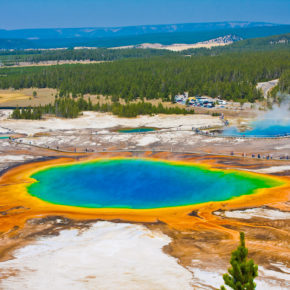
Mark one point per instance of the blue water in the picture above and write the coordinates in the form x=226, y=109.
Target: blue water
x=136, y=130
x=140, y=184
x=262, y=128
x=5, y=137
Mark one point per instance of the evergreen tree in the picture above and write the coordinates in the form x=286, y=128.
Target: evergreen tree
x=16, y=114
x=243, y=272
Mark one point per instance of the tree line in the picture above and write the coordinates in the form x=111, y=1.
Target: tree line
x=67, y=107
x=8, y=57
x=29, y=113
x=232, y=76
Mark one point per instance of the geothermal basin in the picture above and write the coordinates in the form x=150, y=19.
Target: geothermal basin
x=59, y=207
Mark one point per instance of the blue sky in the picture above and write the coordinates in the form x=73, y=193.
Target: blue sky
x=15, y=14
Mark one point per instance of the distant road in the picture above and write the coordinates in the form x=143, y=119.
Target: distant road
x=266, y=87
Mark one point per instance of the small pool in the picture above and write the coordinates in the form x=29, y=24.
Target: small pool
x=137, y=130
x=4, y=137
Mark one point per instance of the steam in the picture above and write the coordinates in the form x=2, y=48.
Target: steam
x=278, y=115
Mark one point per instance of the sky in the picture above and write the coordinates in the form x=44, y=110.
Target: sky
x=19, y=14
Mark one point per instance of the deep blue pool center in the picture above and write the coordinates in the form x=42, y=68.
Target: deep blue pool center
x=140, y=184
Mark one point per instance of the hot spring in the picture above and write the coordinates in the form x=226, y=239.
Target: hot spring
x=261, y=128
x=141, y=184
x=137, y=130
x=274, y=123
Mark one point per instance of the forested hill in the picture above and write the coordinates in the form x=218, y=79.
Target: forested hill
x=99, y=54
x=160, y=37
x=8, y=57
x=232, y=76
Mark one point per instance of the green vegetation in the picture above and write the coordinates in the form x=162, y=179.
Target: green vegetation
x=8, y=57
x=243, y=272
x=284, y=82
x=281, y=92
x=67, y=107
x=232, y=76
x=140, y=108
x=270, y=43
x=27, y=113
x=216, y=114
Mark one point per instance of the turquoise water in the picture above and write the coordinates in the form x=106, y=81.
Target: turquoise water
x=5, y=137
x=140, y=184
x=136, y=130
x=262, y=128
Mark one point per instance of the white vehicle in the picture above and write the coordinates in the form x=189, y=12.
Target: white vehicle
x=222, y=102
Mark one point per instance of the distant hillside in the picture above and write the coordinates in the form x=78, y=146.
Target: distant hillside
x=271, y=41
x=93, y=32
x=281, y=41
x=220, y=41
x=166, y=35
x=24, y=57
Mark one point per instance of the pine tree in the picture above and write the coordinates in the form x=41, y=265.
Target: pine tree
x=16, y=114
x=243, y=272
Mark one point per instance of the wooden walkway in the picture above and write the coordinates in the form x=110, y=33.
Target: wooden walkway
x=104, y=150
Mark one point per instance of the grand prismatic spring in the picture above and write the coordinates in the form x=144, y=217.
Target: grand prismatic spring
x=137, y=189
x=141, y=184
